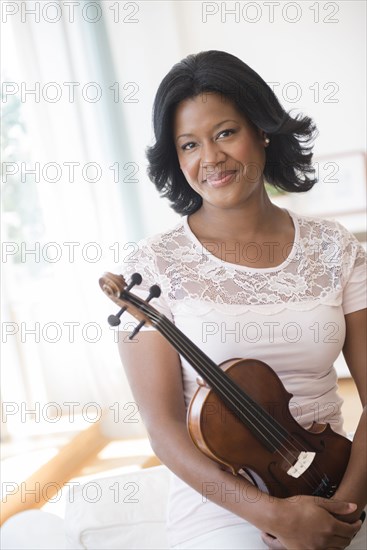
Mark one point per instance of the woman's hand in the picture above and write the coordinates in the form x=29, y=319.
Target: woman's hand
x=309, y=523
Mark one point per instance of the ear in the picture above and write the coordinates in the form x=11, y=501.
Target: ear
x=263, y=137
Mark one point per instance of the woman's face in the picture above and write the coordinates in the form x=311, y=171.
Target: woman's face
x=220, y=153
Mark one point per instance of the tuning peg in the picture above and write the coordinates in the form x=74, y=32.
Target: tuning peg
x=114, y=320
x=136, y=279
x=154, y=292
x=136, y=330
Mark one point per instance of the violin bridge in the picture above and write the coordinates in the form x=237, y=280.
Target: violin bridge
x=304, y=460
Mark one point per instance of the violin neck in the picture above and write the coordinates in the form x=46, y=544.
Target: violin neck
x=241, y=404
x=203, y=365
x=182, y=344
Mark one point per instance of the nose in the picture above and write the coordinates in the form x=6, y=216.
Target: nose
x=211, y=156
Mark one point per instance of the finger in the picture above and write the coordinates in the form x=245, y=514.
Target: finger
x=272, y=542
x=340, y=541
x=337, y=506
x=347, y=530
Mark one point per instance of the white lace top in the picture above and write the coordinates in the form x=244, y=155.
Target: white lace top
x=290, y=316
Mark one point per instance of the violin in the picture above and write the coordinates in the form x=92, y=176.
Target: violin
x=239, y=415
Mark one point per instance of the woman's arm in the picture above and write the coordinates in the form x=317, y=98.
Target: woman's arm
x=354, y=484
x=154, y=373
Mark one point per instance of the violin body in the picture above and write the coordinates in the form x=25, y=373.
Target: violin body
x=240, y=416
x=219, y=434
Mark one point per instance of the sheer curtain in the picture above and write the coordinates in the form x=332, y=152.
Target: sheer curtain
x=72, y=209
x=80, y=79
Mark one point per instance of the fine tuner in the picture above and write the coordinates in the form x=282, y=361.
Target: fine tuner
x=136, y=279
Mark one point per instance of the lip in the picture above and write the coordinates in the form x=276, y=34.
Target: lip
x=227, y=178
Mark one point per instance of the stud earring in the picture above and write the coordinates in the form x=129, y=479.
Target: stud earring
x=267, y=140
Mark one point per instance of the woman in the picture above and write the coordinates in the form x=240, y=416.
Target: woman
x=244, y=278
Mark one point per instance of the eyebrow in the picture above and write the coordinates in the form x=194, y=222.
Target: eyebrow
x=214, y=128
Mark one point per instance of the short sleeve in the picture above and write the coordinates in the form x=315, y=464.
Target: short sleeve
x=355, y=273
x=142, y=260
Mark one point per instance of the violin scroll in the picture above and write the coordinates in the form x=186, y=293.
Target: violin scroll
x=115, y=287
x=112, y=285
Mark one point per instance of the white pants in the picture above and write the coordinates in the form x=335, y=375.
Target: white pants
x=246, y=537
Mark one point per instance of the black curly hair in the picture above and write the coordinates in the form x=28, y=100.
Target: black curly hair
x=288, y=156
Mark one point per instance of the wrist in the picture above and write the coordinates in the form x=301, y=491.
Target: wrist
x=276, y=513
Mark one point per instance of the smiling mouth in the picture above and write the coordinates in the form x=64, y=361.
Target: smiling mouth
x=221, y=179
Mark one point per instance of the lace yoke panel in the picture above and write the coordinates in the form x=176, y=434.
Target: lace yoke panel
x=315, y=270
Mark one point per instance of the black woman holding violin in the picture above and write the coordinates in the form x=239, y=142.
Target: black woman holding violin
x=249, y=307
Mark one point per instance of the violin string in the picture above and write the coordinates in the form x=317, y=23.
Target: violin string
x=160, y=320
x=223, y=382
x=198, y=359
x=221, y=379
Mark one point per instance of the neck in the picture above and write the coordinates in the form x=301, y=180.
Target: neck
x=256, y=216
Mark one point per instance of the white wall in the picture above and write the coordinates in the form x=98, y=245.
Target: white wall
x=149, y=37
x=328, y=56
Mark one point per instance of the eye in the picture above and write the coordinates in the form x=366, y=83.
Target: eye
x=185, y=147
x=229, y=131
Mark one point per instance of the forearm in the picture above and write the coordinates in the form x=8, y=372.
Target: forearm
x=175, y=449
x=297, y=523
x=353, y=487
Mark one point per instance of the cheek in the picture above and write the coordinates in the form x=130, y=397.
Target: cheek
x=251, y=153
x=245, y=148
x=189, y=165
